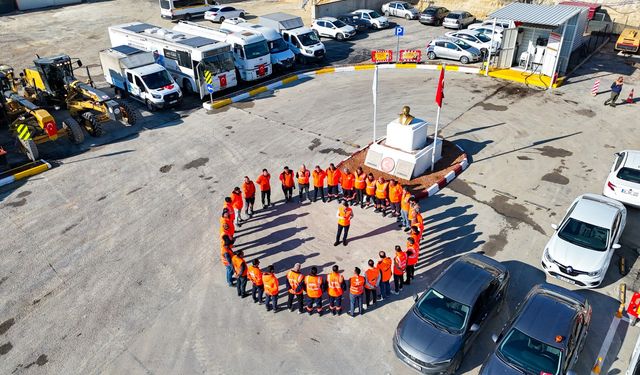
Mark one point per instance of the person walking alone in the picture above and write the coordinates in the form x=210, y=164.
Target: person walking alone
x=616, y=89
x=303, y=176
x=295, y=287
x=399, y=268
x=255, y=275
x=356, y=289
x=270, y=288
x=240, y=268
x=249, y=191
x=314, y=285
x=384, y=265
x=264, y=181
x=345, y=214
x=372, y=278
x=336, y=286
x=286, y=178
x=318, y=183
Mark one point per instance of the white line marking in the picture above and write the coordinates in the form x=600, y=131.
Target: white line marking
x=604, y=349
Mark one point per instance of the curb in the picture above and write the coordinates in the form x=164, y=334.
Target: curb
x=24, y=171
x=253, y=91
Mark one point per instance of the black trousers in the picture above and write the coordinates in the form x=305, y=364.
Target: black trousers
x=256, y=293
x=317, y=189
x=340, y=231
x=266, y=197
x=301, y=189
x=299, y=299
x=241, y=285
x=288, y=193
x=397, y=282
x=347, y=193
x=410, y=273
x=370, y=295
x=359, y=196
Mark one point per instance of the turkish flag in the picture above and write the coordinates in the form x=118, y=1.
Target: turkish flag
x=223, y=80
x=440, y=91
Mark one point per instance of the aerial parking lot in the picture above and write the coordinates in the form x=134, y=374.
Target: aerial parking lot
x=111, y=259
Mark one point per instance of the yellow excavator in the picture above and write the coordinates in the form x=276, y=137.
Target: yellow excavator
x=52, y=82
x=27, y=122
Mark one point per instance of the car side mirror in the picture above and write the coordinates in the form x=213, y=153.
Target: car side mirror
x=494, y=338
x=554, y=226
x=474, y=327
x=616, y=246
x=415, y=297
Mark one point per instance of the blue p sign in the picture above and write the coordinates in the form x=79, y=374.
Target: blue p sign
x=399, y=31
x=210, y=88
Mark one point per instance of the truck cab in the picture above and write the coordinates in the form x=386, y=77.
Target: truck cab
x=250, y=54
x=304, y=43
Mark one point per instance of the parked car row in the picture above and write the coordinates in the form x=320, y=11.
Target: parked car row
x=347, y=25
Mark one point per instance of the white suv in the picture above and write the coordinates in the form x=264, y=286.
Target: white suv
x=333, y=28
x=400, y=9
x=623, y=183
x=373, y=18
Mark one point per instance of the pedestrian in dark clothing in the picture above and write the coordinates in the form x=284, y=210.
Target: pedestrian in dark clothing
x=616, y=89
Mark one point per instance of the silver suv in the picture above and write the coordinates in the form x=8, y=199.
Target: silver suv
x=452, y=49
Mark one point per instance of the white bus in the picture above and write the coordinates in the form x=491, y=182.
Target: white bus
x=193, y=61
x=250, y=49
x=184, y=9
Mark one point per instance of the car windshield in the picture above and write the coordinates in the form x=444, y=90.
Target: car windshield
x=255, y=50
x=278, y=45
x=308, y=39
x=455, y=16
x=374, y=14
x=483, y=38
x=530, y=355
x=629, y=174
x=443, y=311
x=339, y=24
x=462, y=44
x=584, y=234
x=156, y=80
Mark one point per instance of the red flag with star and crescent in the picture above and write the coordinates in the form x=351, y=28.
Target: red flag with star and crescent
x=440, y=91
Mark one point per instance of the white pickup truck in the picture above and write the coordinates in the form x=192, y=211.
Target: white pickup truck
x=135, y=73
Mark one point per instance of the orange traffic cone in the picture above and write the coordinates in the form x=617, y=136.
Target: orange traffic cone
x=630, y=97
x=597, y=367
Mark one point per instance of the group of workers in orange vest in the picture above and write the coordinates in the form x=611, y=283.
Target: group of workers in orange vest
x=378, y=276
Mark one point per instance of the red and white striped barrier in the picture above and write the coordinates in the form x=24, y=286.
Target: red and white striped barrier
x=630, y=97
x=596, y=87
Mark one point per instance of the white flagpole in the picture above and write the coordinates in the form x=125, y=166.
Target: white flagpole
x=375, y=100
x=435, y=134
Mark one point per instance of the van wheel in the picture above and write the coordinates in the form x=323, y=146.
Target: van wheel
x=187, y=17
x=303, y=59
x=464, y=60
x=431, y=55
x=339, y=36
x=150, y=106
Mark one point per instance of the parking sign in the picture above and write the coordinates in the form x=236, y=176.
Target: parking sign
x=399, y=31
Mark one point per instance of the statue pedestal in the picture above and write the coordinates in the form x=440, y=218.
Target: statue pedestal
x=407, y=137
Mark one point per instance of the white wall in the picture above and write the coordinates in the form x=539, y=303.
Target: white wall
x=35, y=4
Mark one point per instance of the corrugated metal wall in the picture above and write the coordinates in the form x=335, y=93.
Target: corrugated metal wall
x=35, y=4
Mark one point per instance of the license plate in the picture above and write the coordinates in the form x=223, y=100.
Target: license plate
x=415, y=366
x=630, y=192
x=173, y=102
x=565, y=279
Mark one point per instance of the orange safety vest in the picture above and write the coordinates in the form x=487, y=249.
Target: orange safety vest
x=412, y=215
x=294, y=280
x=224, y=250
x=404, y=204
x=270, y=284
x=263, y=182
x=227, y=227
x=314, y=286
x=333, y=176
x=372, y=277
x=395, y=193
x=303, y=176
x=356, y=285
x=381, y=190
x=371, y=186
x=399, y=263
x=255, y=275
x=347, y=181
x=418, y=220
x=249, y=189
x=385, y=268
x=237, y=264
x=359, y=183
x=335, y=284
x=413, y=259
x=344, y=214
x=236, y=200
x=318, y=178
x=286, y=179
x=416, y=238
x=229, y=207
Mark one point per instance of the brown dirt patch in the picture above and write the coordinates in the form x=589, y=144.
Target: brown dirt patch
x=451, y=157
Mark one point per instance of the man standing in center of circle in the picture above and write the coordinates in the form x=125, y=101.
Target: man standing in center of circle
x=336, y=285
x=314, y=286
x=345, y=214
x=318, y=183
x=303, y=182
x=286, y=178
x=265, y=188
x=295, y=286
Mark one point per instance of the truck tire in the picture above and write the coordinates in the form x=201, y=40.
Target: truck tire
x=74, y=131
x=30, y=149
x=129, y=116
x=92, y=125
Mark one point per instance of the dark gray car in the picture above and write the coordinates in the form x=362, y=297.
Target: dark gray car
x=433, y=336
x=545, y=336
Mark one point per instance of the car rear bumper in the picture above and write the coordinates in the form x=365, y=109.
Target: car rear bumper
x=627, y=199
x=451, y=25
x=428, y=20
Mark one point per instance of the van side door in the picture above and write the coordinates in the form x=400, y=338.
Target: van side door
x=141, y=87
x=132, y=88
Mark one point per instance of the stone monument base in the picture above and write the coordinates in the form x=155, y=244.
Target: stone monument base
x=400, y=163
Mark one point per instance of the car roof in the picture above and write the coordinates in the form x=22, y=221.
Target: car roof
x=632, y=160
x=445, y=39
x=457, y=11
x=469, y=32
x=464, y=280
x=545, y=316
x=363, y=10
x=326, y=19
x=596, y=209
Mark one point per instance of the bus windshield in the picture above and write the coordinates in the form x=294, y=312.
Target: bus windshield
x=219, y=63
x=255, y=50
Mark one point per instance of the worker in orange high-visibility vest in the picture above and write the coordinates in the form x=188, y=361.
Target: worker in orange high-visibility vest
x=270, y=288
x=360, y=186
x=345, y=214
x=370, y=189
x=372, y=278
x=318, y=183
x=286, y=178
x=314, y=287
x=404, y=209
x=416, y=234
x=356, y=289
x=384, y=265
x=226, y=253
x=416, y=218
x=255, y=275
x=382, y=195
x=303, y=175
x=395, y=196
x=333, y=179
x=347, y=181
x=295, y=287
x=226, y=225
x=264, y=182
x=249, y=192
x=399, y=268
x=413, y=252
x=240, y=270
x=228, y=205
x=335, y=288
x=236, y=201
